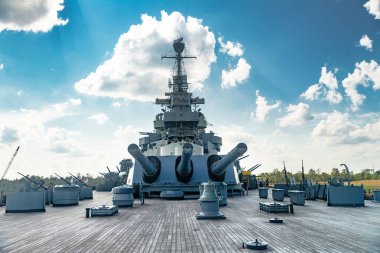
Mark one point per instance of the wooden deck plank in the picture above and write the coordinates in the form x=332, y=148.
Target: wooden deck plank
x=171, y=226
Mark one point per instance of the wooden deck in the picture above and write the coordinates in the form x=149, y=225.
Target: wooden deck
x=170, y=226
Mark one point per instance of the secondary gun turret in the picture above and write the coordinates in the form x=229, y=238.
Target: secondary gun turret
x=217, y=166
x=151, y=165
x=184, y=165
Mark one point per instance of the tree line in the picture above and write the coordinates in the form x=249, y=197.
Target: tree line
x=278, y=176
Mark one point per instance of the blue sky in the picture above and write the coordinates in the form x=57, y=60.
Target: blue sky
x=295, y=80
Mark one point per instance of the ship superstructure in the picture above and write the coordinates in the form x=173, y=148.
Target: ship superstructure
x=181, y=120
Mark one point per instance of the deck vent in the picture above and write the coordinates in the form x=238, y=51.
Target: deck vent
x=255, y=245
x=276, y=220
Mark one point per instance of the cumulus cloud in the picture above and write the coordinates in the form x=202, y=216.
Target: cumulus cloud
x=31, y=15
x=60, y=140
x=373, y=7
x=99, y=118
x=365, y=74
x=74, y=101
x=116, y=104
x=337, y=128
x=32, y=127
x=297, y=115
x=231, y=48
x=366, y=42
x=136, y=72
x=9, y=135
x=325, y=89
x=233, y=77
x=263, y=108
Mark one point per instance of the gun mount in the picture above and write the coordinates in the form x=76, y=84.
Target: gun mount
x=38, y=184
x=254, y=167
x=79, y=180
x=184, y=165
x=67, y=182
x=347, y=173
x=151, y=165
x=287, y=181
x=217, y=165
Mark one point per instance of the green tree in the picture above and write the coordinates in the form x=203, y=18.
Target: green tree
x=335, y=173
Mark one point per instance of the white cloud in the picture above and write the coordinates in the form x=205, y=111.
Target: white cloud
x=29, y=127
x=1, y=66
x=335, y=124
x=74, y=101
x=373, y=7
x=365, y=74
x=337, y=128
x=325, y=89
x=136, y=71
x=126, y=131
x=313, y=92
x=9, y=135
x=116, y=104
x=233, y=77
x=366, y=42
x=31, y=15
x=99, y=118
x=231, y=48
x=60, y=140
x=297, y=115
x=263, y=108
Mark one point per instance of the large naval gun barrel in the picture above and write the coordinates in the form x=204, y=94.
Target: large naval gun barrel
x=217, y=166
x=151, y=165
x=184, y=165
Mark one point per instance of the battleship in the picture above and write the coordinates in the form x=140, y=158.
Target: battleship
x=171, y=165
x=179, y=155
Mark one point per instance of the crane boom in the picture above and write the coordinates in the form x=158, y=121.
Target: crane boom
x=10, y=163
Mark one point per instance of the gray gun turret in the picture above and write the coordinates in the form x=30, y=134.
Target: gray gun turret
x=184, y=165
x=151, y=165
x=217, y=166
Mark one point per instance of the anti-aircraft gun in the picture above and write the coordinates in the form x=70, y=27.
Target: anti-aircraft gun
x=341, y=195
x=125, y=166
x=252, y=178
x=85, y=191
x=308, y=187
x=286, y=186
x=63, y=179
x=111, y=179
x=80, y=182
x=38, y=186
